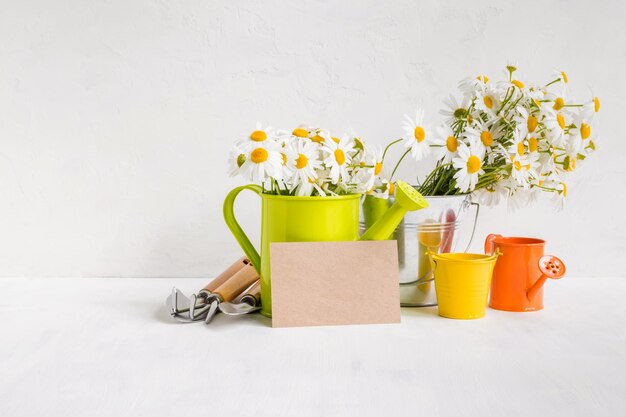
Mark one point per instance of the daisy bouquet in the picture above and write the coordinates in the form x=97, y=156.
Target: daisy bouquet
x=307, y=161
x=507, y=139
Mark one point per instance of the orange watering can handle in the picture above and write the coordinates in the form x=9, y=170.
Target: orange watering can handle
x=489, y=243
x=231, y=222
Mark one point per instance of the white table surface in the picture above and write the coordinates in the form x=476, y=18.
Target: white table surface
x=107, y=347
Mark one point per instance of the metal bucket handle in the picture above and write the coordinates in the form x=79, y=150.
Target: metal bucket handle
x=471, y=203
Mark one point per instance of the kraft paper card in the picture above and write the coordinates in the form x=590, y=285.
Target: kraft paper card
x=333, y=283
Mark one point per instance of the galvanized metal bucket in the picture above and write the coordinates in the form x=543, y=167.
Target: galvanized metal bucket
x=437, y=229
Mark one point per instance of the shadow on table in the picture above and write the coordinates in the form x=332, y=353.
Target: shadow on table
x=420, y=311
x=162, y=314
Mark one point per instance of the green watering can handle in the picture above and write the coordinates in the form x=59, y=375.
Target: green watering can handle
x=231, y=222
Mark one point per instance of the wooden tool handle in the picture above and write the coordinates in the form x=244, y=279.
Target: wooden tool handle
x=252, y=295
x=229, y=272
x=237, y=283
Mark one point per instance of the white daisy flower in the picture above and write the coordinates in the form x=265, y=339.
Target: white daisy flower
x=338, y=158
x=454, y=110
x=370, y=167
x=557, y=122
x=590, y=108
x=484, y=135
x=580, y=134
x=305, y=162
x=446, y=143
x=523, y=169
x=487, y=100
x=261, y=163
x=562, y=76
x=526, y=121
x=235, y=160
x=469, y=166
x=492, y=194
x=417, y=135
x=469, y=86
x=260, y=137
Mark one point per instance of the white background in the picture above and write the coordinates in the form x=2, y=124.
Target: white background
x=116, y=117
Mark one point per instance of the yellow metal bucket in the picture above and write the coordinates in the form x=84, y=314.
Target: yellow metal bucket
x=462, y=282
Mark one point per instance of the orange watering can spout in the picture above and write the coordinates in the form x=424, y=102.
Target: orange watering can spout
x=550, y=267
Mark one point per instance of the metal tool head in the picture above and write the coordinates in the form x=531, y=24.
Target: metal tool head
x=238, y=309
x=212, y=310
x=177, y=302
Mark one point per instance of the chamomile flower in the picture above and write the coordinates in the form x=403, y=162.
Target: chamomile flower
x=580, y=133
x=492, y=194
x=484, y=135
x=261, y=163
x=527, y=122
x=591, y=108
x=523, y=169
x=417, y=135
x=488, y=100
x=370, y=166
x=455, y=109
x=445, y=143
x=470, y=85
x=306, y=161
x=235, y=160
x=259, y=137
x=562, y=76
x=469, y=166
x=338, y=157
x=556, y=122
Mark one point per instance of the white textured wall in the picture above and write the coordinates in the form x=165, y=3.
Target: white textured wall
x=116, y=116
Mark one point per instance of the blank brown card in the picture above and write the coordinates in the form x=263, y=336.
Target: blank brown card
x=333, y=283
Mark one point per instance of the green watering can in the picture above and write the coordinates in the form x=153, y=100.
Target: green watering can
x=312, y=219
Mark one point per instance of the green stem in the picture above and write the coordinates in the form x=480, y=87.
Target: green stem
x=389, y=146
x=398, y=164
x=552, y=82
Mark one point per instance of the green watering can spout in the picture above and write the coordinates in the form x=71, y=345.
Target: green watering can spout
x=407, y=199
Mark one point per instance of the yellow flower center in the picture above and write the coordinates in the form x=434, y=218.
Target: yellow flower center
x=558, y=103
x=533, y=145
x=486, y=138
x=240, y=160
x=560, y=120
x=302, y=161
x=585, y=131
x=301, y=133
x=340, y=157
x=452, y=144
x=317, y=139
x=488, y=102
x=258, y=136
x=284, y=158
x=362, y=164
x=483, y=78
x=258, y=155
x=596, y=104
x=378, y=167
x=392, y=188
x=419, y=133
x=311, y=180
x=517, y=165
x=336, y=140
x=520, y=149
x=470, y=119
x=564, y=189
x=531, y=123
x=518, y=84
x=473, y=164
x=564, y=77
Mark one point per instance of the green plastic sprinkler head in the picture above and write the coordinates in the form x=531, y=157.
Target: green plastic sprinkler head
x=407, y=199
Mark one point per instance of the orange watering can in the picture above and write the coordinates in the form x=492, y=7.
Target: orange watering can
x=521, y=271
